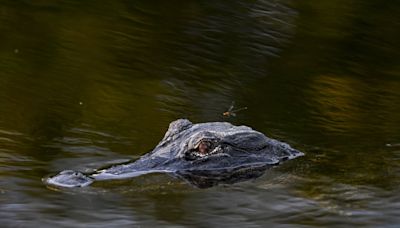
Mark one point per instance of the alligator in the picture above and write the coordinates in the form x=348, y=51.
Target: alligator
x=203, y=154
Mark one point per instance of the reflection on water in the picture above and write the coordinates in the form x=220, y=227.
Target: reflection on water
x=86, y=84
x=337, y=99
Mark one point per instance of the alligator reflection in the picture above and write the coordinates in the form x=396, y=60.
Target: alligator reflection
x=203, y=179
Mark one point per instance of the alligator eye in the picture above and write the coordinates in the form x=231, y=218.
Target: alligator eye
x=204, y=147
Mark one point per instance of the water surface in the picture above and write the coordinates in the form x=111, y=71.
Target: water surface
x=84, y=84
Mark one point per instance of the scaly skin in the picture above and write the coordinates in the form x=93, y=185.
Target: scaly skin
x=203, y=154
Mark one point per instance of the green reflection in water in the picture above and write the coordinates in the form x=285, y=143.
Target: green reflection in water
x=83, y=83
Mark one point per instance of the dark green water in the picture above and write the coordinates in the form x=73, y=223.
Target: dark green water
x=87, y=83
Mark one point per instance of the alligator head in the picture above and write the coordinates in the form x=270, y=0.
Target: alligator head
x=203, y=154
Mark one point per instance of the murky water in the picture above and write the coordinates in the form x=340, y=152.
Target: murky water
x=85, y=83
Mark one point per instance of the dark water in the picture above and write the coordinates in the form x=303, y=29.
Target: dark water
x=88, y=83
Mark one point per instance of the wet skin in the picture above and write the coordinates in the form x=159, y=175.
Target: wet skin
x=203, y=154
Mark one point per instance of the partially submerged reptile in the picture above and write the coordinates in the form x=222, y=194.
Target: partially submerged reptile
x=203, y=154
